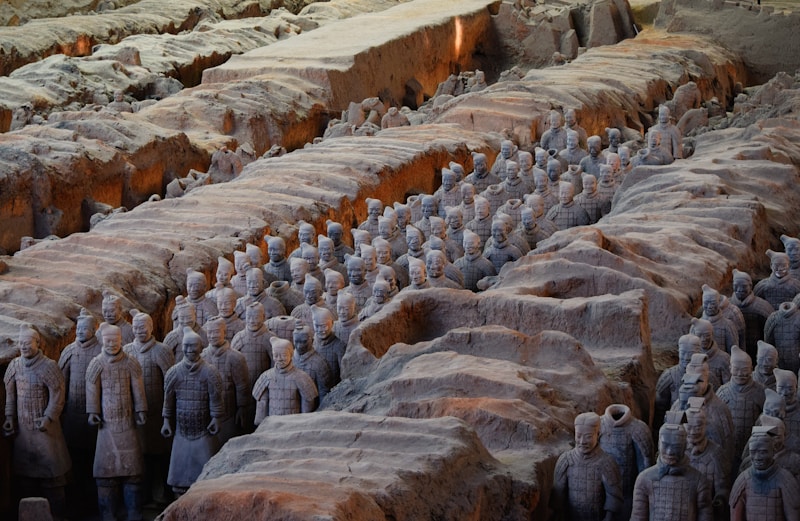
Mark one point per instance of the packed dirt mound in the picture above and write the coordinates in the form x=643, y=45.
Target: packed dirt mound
x=354, y=467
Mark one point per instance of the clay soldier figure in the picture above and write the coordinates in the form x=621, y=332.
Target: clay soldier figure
x=529, y=230
x=283, y=389
x=305, y=235
x=79, y=435
x=255, y=255
x=418, y=276
x=589, y=199
x=312, y=295
x=782, y=330
x=586, y=484
x=283, y=292
x=327, y=260
x=500, y=250
x=390, y=231
x=119, y=104
x=403, y=214
x=450, y=271
x=452, y=249
x=791, y=246
x=780, y=286
x=310, y=362
x=224, y=274
x=783, y=458
x=370, y=259
x=670, y=135
x=192, y=399
x=571, y=124
x=255, y=292
x=374, y=209
x=112, y=314
x=473, y=265
x=232, y=368
x=359, y=237
x=525, y=160
x=736, y=318
x=514, y=186
x=388, y=274
x=394, y=118
x=326, y=343
x=467, y=205
x=765, y=490
x=767, y=361
x=670, y=380
x=628, y=440
x=241, y=262
x=455, y=226
x=185, y=317
x=34, y=392
x=725, y=334
x=116, y=404
x=606, y=188
x=449, y=194
x=482, y=223
x=508, y=152
x=481, y=178
x=155, y=359
x=414, y=239
x=347, y=319
x=614, y=141
x=334, y=283
x=358, y=287
x=555, y=137
x=744, y=398
x=253, y=343
x=435, y=263
x=226, y=304
x=299, y=268
x=277, y=267
x=573, y=153
x=625, y=165
x=786, y=386
x=225, y=165
x=554, y=171
x=706, y=456
x=774, y=404
x=719, y=362
x=196, y=287
x=591, y=163
x=671, y=489
x=536, y=204
x=380, y=296
x=335, y=233
x=567, y=213
x=429, y=208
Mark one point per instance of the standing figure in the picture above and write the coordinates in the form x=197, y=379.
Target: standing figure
x=374, y=209
x=791, y=245
x=449, y=194
x=359, y=287
x=706, y=456
x=467, y=205
x=196, y=286
x=185, y=316
x=574, y=152
x=780, y=287
x=112, y=314
x=766, y=362
x=542, y=184
x=418, y=276
x=719, y=362
x=571, y=124
x=326, y=343
x=481, y=177
x=277, y=267
x=765, y=490
x=567, y=213
x=255, y=292
x=670, y=135
x=782, y=330
x=591, y=163
x=554, y=138
x=253, y=343
x=241, y=262
x=455, y=225
x=327, y=259
x=671, y=489
x=529, y=229
x=232, y=368
x=283, y=389
x=310, y=362
x=347, y=317
x=224, y=274
x=589, y=199
x=334, y=283
x=155, y=360
x=755, y=310
x=508, y=152
x=305, y=235
x=335, y=233
x=786, y=386
x=226, y=304
x=725, y=334
x=670, y=380
x=473, y=265
x=627, y=439
x=116, y=403
x=34, y=392
x=586, y=485
x=193, y=400
x=390, y=231
x=536, y=204
x=481, y=224
x=501, y=250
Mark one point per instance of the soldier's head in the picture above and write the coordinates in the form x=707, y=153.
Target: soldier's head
x=196, y=284
x=671, y=443
x=254, y=316
x=226, y=301
x=774, y=404
x=334, y=281
x=742, y=284
x=301, y=337
x=322, y=319
x=215, y=331
x=687, y=346
x=587, y=432
x=356, y=269
x=345, y=307
x=142, y=325
x=192, y=345
x=276, y=249
x=255, y=282
x=86, y=326
x=281, y=352
x=112, y=339
x=762, y=448
x=224, y=270
x=111, y=308
x=28, y=341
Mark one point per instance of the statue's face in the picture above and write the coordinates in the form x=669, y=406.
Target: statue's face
x=624, y=155
x=586, y=438
x=112, y=342
x=310, y=294
x=186, y=317
x=28, y=345
x=311, y=258
x=787, y=390
x=216, y=333
x=111, y=312
x=413, y=240
x=541, y=158
x=298, y=272
x=370, y=260
x=654, y=140
x=499, y=232
x=435, y=266
x=305, y=235
x=570, y=119
x=663, y=117
x=594, y=147
x=482, y=209
x=512, y=171
x=696, y=430
x=742, y=289
x=472, y=245
x=776, y=410
x=706, y=336
x=345, y=311
x=226, y=304
x=780, y=267
x=671, y=447
x=767, y=363
x=242, y=264
x=525, y=162
x=384, y=230
x=276, y=253
x=553, y=170
x=454, y=220
x=333, y=285
x=253, y=318
x=590, y=184
x=281, y=356
x=428, y=207
x=438, y=229
x=391, y=278
x=383, y=254
x=224, y=274
x=572, y=141
x=379, y=295
x=374, y=210
x=711, y=305
x=614, y=139
x=195, y=288
x=685, y=353
x=762, y=452
x=326, y=251
x=302, y=341
x=741, y=372
x=118, y=96
x=468, y=194
x=505, y=149
x=192, y=347
x=793, y=251
x=555, y=120
x=142, y=330
x=335, y=234
x=541, y=181
x=355, y=272
x=84, y=330
x=254, y=286
x=565, y=192
x=527, y=220
x=448, y=182
x=613, y=162
x=402, y=217
x=417, y=275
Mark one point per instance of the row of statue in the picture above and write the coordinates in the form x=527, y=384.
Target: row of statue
x=269, y=337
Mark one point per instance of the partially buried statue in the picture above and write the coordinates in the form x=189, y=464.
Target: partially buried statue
x=283, y=389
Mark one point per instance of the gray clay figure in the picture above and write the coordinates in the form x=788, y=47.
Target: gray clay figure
x=283, y=389
x=253, y=342
x=786, y=387
x=196, y=287
x=670, y=380
x=481, y=177
x=347, y=317
x=766, y=363
x=359, y=287
x=725, y=333
x=226, y=304
x=374, y=209
x=326, y=343
x=327, y=259
x=305, y=235
x=706, y=456
x=573, y=153
x=780, y=286
x=278, y=265
x=589, y=199
x=473, y=265
x=567, y=213
x=112, y=315
x=482, y=223
x=500, y=250
x=255, y=291
x=671, y=140
x=554, y=138
x=307, y=359
x=417, y=275
x=335, y=232
x=185, y=316
x=591, y=163
x=719, y=362
x=782, y=330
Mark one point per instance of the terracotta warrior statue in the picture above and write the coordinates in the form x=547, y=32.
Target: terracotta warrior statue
x=310, y=362
x=782, y=330
x=226, y=304
x=791, y=245
x=571, y=124
x=766, y=362
x=725, y=334
x=587, y=481
x=501, y=250
x=112, y=314
x=467, y=205
x=786, y=387
x=670, y=380
x=567, y=213
x=481, y=178
x=670, y=135
x=508, y=152
x=312, y=296
x=253, y=343
x=283, y=389
x=374, y=209
x=326, y=343
x=418, y=276
x=196, y=287
x=589, y=199
x=256, y=292
x=473, y=265
x=556, y=136
x=435, y=262
x=455, y=225
x=116, y=404
x=591, y=163
x=358, y=287
x=671, y=489
x=34, y=398
x=224, y=274
x=241, y=263
x=278, y=266
x=347, y=317
x=185, y=316
x=784, y=458
x=482, y=223
x=529, y=229
x=449, y=194
x=515, y=187
x=193, y=402
x=719, y=362
x=390, y=232
x=706, y=456
x=305, y=235
x=614, y=141
x=379, y=298
x=327, y=259
x=334, y=283
x=335, y=233
x=780, y=286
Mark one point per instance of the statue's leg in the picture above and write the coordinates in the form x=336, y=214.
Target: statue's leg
x=107, y=498
x=132, y=493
